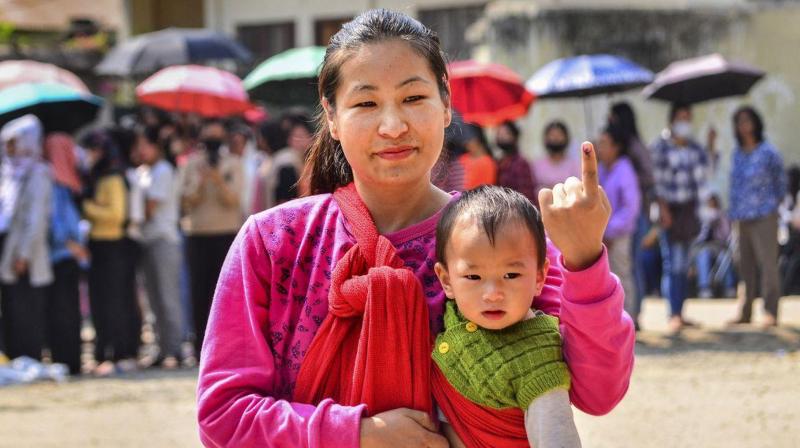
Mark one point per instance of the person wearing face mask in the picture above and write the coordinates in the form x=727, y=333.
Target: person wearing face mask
x=211, y=183
x=25, y=269
x=513, y=171
x=709, y=248
x=680, y=169
x=557, y=165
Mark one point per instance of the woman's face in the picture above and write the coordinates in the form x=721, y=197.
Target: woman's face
x=607, y=149
x=505, y=136
x=299, y=138
x=744, y=125
x=389, y=115
x=147, y=152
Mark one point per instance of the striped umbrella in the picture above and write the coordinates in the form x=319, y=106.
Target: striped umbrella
x=587, y=75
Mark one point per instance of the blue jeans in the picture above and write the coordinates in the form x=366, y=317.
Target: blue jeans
x=675, y=256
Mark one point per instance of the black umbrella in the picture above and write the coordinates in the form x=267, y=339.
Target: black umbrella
x=150, y=52
x=701, y=79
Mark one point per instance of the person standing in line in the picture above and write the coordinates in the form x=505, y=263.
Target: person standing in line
x=513, y=170
x=681, y=170
x=480, y=167
x=210, y=187
x=758, y=185
x=618, y=179
x=104, y=207
x=67, y=253
x=161, y=249
x=25, y=270
x=557, y=165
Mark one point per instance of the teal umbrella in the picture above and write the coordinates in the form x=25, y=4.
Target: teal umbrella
x=288, y=78
x=59, y=107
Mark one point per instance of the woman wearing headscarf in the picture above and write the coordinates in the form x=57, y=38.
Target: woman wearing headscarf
x=25, y=270
x=67, y=252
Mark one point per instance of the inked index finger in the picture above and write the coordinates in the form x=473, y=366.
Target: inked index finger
x=591, y=184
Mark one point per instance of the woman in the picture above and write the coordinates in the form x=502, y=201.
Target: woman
x=160, y=244
x=479, y=166
x=116, y=342
x=386, y=104
x=758, y=185
x=619, y=181
x=67, y=253
x=25, y=269
x=557, y=165
x=513, y=171
x=211, y=182
x=282, y=180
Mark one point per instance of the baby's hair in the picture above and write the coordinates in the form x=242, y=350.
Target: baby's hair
x=491, y=206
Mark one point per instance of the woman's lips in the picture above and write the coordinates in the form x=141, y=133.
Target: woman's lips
x=398, y=153
x=494, y=314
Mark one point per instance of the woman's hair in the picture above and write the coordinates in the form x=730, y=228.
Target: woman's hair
x=625, y=118
x=619, y=137
x=327, y=168
x=273, y=134
x=491, y=206
x=758, y=123
x=110, y=161
x=676, y=107
x=557, y=124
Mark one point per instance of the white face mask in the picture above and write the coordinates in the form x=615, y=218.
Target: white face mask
x=708, y=214
x=682, y=129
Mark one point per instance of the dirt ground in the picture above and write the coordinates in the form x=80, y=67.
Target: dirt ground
x=711, y=387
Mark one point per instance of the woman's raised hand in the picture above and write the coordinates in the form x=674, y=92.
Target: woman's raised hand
x=401, y=427
x=576, y=213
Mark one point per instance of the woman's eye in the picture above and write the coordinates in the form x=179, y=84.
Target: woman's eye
x=366, y=104
x=512, y=275
x=472, y=277
x=413, y=98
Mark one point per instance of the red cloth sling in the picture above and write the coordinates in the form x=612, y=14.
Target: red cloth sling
x=374, y=346
x=478, y=426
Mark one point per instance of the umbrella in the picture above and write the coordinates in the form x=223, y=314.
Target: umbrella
x=59, y=107
x=487, y=94
x=287, y=78
x=702, y=79
x=13, y=72
x=207, y=91
x=149, y=52
x=587, y=75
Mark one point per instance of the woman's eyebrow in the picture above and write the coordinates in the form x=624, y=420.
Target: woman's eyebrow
x=410, y=80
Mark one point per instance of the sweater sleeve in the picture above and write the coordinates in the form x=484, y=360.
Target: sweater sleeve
x=112, y=204
x=623, y=219
x=235, y=394
x=598, y=336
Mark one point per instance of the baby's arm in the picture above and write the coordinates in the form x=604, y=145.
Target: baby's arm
x=549, y=422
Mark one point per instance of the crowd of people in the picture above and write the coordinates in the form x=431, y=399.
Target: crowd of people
x=144, y=212
x=668, y=234
x=147, y=210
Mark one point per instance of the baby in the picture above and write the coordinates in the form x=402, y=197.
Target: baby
x=495, y=350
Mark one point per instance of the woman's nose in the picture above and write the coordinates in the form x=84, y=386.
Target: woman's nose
x=393, y=123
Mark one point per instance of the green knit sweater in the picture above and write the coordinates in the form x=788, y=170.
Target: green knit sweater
x=501, y=368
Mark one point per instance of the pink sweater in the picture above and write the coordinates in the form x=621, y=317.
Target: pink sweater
x=272, y=297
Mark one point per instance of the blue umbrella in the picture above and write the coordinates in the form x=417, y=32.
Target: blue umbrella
x=147, y=53
x=583, y=76
x=59, y=107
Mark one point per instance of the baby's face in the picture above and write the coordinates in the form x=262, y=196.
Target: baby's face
x=493, y=285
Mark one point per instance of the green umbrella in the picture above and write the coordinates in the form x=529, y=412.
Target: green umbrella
x=288, y=78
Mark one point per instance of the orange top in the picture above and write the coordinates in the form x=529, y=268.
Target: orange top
x=478, y=171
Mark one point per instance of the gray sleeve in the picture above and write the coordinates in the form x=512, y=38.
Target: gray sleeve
x=39, y=194
x=549, y=422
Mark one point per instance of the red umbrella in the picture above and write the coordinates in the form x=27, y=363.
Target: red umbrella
x=207, y=91
x=15, y=72
x=487, y=94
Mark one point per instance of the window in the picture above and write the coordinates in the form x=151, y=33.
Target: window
x=325, y=29
x=451, y=24
x=266, y=40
